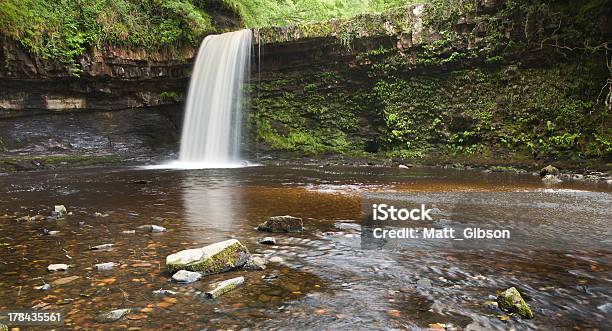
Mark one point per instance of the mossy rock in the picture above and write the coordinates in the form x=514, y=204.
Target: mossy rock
x=224, y=287
x=219, y=257
x=511, y=301
x=282, y=224
x=3, y=327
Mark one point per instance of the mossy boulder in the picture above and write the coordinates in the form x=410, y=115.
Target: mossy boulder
x=282, y=224
x=219, y=257
x=224, y=287
x=511, y=301
x=549, y=170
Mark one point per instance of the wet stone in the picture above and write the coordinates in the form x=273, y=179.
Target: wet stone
x=101, y=247
x=511, y=301
x=105, y=266
x=268, y=241
x=152, y=228
x=255, y=263
x=184, y=276
x=57, y=267
x=219, y=257
x=282, y=224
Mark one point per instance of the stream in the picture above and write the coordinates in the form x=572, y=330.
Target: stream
x=559, y=256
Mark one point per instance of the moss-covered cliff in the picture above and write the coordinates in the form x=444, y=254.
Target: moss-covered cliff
x=500, y=79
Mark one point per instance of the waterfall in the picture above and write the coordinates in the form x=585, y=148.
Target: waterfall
x=212, y=123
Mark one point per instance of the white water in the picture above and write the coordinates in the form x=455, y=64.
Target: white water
x=216, y=100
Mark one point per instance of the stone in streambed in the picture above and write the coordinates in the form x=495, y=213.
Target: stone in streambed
x=102, y=247
x=57, y=267
x=224, y=287
x=268, y=241
x=219, y=257
x=59, y=211
x=105, y=266
x=511, y=301
x=3, y=327
x=113, y=315
x=282, y=224
x=255, y=263
x=64, y=281
x=184, y=276
x=152, y=228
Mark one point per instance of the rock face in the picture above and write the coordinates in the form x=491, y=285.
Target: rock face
x=113, y=315
x=511, y=301
x=282, y=224
x=211, y=259
x=224, y=287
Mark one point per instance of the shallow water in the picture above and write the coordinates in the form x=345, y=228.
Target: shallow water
x=559, y=259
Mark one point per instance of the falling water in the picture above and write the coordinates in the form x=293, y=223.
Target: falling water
x=213, y=114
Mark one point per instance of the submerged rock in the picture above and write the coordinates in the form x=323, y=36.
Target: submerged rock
x=511, y=301
x=101, y=247
x=255, y=263
x=113, y=315
x=219, y=257
x=105, y=266
x=268, y=241
x=164, y=292
x=57, y=267
x=282, y=224
x=551, y=179
x=224, y=287
x=184, y=276
x=64, y=281
x=549, y=170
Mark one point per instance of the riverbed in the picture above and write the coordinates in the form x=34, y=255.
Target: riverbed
x=326, y=278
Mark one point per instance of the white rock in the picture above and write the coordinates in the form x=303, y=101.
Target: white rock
x=100, y=247
x=276, y=259
x=57, y=267
x=105, y=266
x=215, y=258
x=128, y=231
x=184, y=276
x=59, y=211
x=164, y=292
x=224, y=287
x=401, y=166
x=157, y=229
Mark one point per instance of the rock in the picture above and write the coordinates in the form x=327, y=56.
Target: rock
x=152, y=228
x=268, y=241
x=3, y=327
x=276, y=259
x=511, y=301
x=101, y=247
x=184, y=276
x=43, y=287
x=105, y=266
x=113, y=315
x=401, y=166
x=224, y=287
x=219, y=257
x=50, y=232
x=128, y=231
x=97, y=214
x=255, y=263
x=164, y=292
x=609, y=181
x=549, y=170
x=347, y=226
x=282, y=224
x=57, y=267
x=551, y=179
x=60, y=211
x=64, y=281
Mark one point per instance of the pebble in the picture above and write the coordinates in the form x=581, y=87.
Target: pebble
x=100, y=247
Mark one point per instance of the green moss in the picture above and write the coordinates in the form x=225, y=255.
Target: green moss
x=227, y=259
x=174, y=97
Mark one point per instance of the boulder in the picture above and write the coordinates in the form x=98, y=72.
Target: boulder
x=549, y=170
x=219, y=257
x=224, y=287
x=511, y=301
x=113, y=315
x=184, y=276
x=282, y=224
